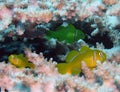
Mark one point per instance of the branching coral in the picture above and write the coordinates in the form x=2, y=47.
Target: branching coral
x=110, y=2
x=96, y=13
x=5, y=17
x=38, y=12
x=45, y=77
x=29, y=17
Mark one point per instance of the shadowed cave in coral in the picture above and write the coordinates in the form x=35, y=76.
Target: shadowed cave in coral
x=39, y=44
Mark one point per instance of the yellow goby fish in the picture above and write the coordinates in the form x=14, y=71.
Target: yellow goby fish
x=20, y=61
x=74, y=59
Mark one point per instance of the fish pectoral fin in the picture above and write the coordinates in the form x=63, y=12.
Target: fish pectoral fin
x=30, y=65
x=76, y=70
x=84, y=49
x=63, y=68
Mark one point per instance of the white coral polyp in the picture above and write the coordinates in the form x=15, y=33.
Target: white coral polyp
x=33, y=14
x=5, y=17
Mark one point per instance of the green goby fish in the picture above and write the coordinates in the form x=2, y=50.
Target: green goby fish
x=74, y=59
x=20, y=61
x=69, y=34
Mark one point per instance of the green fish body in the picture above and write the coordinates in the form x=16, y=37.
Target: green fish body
x=68, y=34
x=74, y=59
x=20, y=61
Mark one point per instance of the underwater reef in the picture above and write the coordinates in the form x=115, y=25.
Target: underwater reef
x=59, y=45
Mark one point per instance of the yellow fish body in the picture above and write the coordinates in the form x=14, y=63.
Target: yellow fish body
x=20, y=61
x=74, y=59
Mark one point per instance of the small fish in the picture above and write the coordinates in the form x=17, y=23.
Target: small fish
x=69, y=34
x=74, y=59
x=20, y=61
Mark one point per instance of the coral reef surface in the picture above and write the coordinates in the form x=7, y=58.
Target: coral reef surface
x=70, y=24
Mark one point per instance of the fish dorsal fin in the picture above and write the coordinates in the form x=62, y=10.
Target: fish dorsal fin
x=84, y=49
x=71, y=55
x=22, y=57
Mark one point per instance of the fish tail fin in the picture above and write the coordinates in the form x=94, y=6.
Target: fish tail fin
x=63, y=68
x=31, y=65
x=50, y=34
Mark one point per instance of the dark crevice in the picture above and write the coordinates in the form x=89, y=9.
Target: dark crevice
x=39, y=44
x=91, y=40
x=104, y=38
